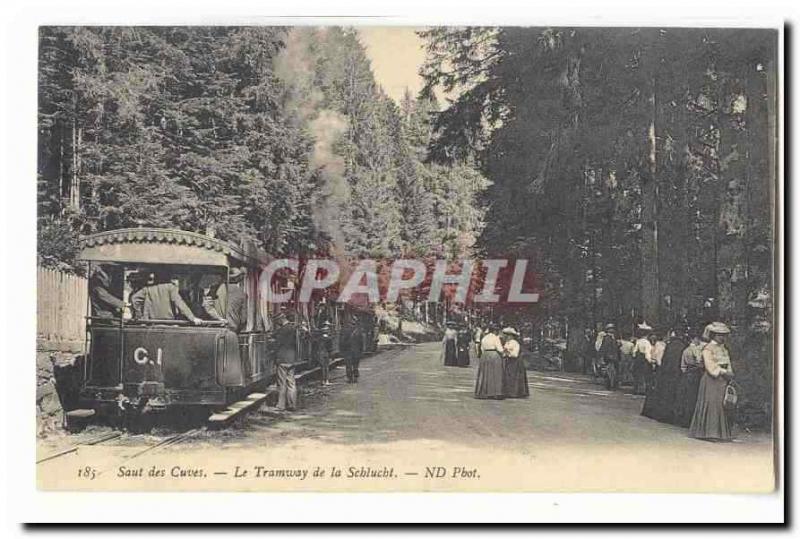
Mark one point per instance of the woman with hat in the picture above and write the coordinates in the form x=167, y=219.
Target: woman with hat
x=463, y=339
x=660, y=403
x=691, y=373
x=489, y=383
x=449, y=345
x=710, y=421
x=515, y=377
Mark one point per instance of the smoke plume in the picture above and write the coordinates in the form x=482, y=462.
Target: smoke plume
x=296, y=67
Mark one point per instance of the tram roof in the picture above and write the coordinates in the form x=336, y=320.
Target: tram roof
x=166, y=246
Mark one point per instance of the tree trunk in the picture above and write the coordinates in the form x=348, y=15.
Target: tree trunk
x=703, y=194
x=75, y=184
x=649, y=252
x=61, y=179
x=731, y=256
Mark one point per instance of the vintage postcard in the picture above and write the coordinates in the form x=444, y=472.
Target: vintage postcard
x=408, y=259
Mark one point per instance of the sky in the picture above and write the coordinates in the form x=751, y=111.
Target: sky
x=396, y=53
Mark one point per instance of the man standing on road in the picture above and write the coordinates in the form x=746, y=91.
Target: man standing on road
x=322, y=350
x=352, y=345
x=285, y=335
x=609, y=355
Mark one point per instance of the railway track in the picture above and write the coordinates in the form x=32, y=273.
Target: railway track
x=76, y=447
x=123, y=459
x=178, y=437
x=172, y=440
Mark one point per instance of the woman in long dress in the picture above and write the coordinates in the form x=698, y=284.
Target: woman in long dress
x=642, y=358
x=449, y=346
x=515, y=381
x=660, y=401
x=489, y=383
x=710, y=421
x=691, y=372
x=463, y=339
x=626, y=360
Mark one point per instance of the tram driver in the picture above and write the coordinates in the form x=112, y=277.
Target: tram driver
x=105, y=303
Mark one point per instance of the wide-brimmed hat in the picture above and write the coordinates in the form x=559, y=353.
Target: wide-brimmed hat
x=644, y=327
x=717, y=328
x=136, y=277
x=510, y=331
x=234, y=274
x=611, y=326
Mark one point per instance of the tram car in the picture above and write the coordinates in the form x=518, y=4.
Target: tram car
x=176, y=319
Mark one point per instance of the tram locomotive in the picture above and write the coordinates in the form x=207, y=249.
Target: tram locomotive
x=138, y=362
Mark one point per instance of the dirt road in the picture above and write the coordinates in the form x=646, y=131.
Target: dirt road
x=412, y=424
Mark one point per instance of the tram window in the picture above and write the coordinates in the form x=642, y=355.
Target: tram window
x=202, y=289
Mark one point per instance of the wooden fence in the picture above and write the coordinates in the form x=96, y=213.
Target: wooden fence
x=60, y=309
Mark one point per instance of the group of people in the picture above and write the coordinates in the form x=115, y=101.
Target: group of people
x=686, y=377
x=156, y=295
x=455, y=345
x=501, y=370
x=351, y=347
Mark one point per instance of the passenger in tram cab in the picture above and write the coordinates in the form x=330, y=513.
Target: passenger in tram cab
x=162, y=300
x=226, y=303
x=105, y=303
x=237, y=302
x=136, y=281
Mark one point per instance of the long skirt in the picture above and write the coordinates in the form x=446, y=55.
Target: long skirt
x=660, y=401
x=489, y=384
x=656, y=403
x=515, y=379
x=710, y=421
x=641, y=370
x=626, y=369
x=462, y=356
x=450, y=359
x=686, y=398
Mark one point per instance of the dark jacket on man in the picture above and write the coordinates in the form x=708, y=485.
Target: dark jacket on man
x=609, y=351
x=104, y=303
x=237, y=309
x=286, y=341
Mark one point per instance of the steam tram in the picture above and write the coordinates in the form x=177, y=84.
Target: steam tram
x=136, y=362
